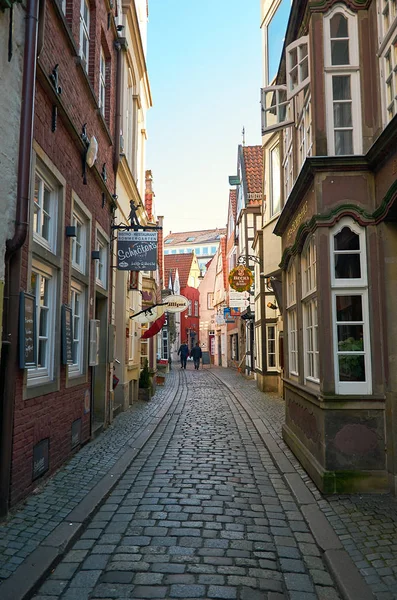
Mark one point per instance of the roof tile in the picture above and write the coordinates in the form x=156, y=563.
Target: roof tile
x=253, y=160
x=182, y=262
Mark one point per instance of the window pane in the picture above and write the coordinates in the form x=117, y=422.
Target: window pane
x=343, y=114
x=340, y=52
x=43, y=325
x=339, y=26
x=347, y=240
x=349, y=308
x=347, y=266
x=350, y=338
x=351, y=368
x=42, y=362
x=341, y=87
x=46, y=227
x=343, y=142
x=304, y=68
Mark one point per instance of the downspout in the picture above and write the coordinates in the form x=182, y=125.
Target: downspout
x=117, y=124
x=13, y=255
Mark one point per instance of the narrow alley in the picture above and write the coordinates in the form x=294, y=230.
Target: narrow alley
x=194, y=495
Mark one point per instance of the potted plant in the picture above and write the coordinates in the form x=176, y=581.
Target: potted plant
x=145, y=385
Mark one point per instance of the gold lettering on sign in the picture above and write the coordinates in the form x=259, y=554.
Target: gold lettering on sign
x=298, y=219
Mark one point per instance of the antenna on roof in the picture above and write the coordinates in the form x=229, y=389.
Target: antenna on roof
x=243, y=134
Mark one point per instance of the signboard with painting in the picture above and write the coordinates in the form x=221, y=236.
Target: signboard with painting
x=27, y=330
x=241, y=278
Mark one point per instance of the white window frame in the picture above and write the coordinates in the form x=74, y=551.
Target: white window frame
x=280, y=103
x=299, y=45
x=305, y=134
x=351, y=287
x=388, y=70
x=102, y=262
x=39, y=375
x=309, y=267
x=84, y=33
x=310, y=341
x=288, y=162
x=292, y=321
x=102, y=82
x=274, y=212
x=352, y=70
x=77, y=368
x=384, y=33
x=275, y=353
x=38, y=207
x=80, y=224
x=356, y=282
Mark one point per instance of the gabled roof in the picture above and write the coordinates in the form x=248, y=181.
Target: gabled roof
x=253, y=171
x=182, y=262
x=203, y=236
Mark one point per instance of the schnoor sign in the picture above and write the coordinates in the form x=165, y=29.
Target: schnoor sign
x=176, y=303
x=137, y=250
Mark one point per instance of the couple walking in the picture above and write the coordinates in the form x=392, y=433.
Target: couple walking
x=195, y=353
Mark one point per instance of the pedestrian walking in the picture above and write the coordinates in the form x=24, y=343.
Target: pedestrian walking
x=183, y=352
x=196, y=354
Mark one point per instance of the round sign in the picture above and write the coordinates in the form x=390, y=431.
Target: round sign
x=176, y=303
x=241, y=278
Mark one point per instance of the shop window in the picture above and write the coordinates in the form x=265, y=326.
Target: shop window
x=43, y=287
x=292, y=320
x=350, y=309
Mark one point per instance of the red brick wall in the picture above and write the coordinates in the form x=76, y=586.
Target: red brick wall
x=52, y=415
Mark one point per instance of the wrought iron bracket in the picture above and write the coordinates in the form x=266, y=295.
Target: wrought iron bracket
x=242, y=260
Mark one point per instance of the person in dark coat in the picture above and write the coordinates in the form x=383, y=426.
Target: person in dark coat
x=196, y=354
x=183, y=352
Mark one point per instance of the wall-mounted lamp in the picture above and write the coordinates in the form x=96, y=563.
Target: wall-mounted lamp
x=95, y=255
x=271, y=305
x=71, y=231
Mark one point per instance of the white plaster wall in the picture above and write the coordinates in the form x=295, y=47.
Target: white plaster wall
x=10, y=111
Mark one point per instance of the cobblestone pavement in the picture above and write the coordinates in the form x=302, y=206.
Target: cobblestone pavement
x=202, y=512
x=43, y=511
x=365, y=524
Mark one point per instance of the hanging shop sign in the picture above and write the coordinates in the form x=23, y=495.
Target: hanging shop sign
x=176, y=303
x=239, y=299
x=228, y=316
x=137, y=250
x=241, y=278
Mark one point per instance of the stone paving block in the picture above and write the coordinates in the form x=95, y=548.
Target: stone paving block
x=298, y=582
x=85, y=579
x=117, y=577
x=292, y=565
x=225, y=592
x=113, y=590
x=187, y=591
x=77, y=593
x=96, y=561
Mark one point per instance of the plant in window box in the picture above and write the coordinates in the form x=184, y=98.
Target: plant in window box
x=351, y=367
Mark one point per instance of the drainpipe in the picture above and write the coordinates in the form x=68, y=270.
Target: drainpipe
x=116, y=157
x=13, y=255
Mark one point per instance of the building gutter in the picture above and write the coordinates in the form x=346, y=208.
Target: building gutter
x=13, y=254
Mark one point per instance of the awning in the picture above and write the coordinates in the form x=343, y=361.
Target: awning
x=155, y=328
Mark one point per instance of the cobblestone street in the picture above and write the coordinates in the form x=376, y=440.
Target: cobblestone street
x=211, y=504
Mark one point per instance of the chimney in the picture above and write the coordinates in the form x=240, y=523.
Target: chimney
x=149, y=194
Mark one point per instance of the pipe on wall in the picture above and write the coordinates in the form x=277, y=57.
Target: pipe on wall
x=13, y=253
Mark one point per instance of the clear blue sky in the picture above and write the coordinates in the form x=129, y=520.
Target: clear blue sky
x=205, y=70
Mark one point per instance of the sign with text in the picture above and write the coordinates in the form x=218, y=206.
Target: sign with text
x=137, y=251
x=40, y=458
x=239, y=299
x=67, y=335
x=241, y=278
x=176, y=303
x=27, y=330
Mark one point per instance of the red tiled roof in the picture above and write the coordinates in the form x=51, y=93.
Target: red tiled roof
x=233, y=202
x=253, y=161
x=202, y=236
x=182, y=262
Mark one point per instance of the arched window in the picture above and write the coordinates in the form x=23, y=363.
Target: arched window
x=350, y=311
x=342, y=82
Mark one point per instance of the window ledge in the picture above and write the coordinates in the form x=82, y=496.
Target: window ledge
x=41, y=389
x=74, y=380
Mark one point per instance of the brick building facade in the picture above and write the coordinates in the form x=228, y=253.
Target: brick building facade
x=64, y=262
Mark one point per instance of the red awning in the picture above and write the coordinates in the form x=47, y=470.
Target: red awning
x=155, y=328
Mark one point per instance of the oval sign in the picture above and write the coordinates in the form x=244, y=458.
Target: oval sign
x=176, y=303
x=241, y=278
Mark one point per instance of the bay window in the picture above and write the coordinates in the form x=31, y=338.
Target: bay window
x=288, y=162
x=275, y=180
x=387, y=10
x=350, y=309
x=292, y=320
x=342, y=82
x=309, y=310
x=298, y=66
